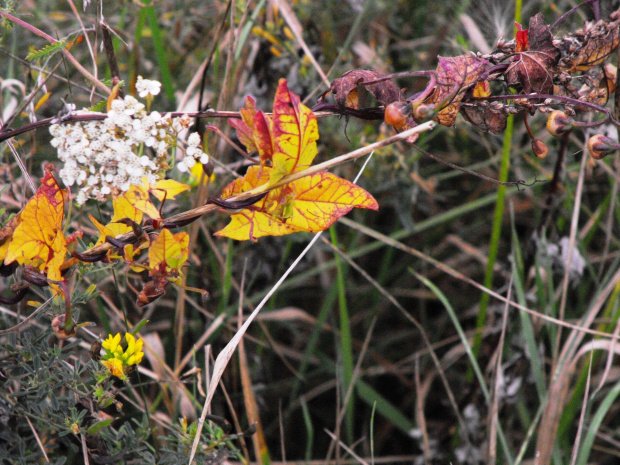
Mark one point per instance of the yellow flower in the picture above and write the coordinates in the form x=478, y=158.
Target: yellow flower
x=115, y=367
x=112, y=344
x=117, y=360
x=133, y=355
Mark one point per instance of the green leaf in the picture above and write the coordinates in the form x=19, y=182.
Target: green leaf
x=46, y=51
x=138, y=327
x=96, y=427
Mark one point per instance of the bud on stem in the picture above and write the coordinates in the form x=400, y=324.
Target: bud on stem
x=559, y=123
x=600, y=146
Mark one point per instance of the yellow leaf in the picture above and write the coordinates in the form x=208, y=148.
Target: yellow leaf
x=312, y=203
x=168, y=188
x=295, y=132
x=320, y=199
x=253, y=224
x=169, y=252
x=38, y=240
x=138, y=197
x=103, y=230
x=124, y=209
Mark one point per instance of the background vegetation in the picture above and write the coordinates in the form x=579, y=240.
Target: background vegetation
x=379, y=342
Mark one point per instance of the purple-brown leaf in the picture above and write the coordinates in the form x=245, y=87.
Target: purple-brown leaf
x=347, y=88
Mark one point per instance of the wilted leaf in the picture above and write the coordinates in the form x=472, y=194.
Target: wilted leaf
x=152, y=290
x=38, y=240
x=596, y=86
x=596, y=42
x=295, y=132
x=485, y=117
x=346, y=89
x=454, y=77
x=533, y=70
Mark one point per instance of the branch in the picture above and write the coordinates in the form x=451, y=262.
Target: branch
x=189, y=216
x=96, y=82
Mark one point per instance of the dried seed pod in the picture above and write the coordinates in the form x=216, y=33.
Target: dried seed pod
x=559, y=123
x=397, y=114
x=539, y=148
x=423, y=111
x=600, y=146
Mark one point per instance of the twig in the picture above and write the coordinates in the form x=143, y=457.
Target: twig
x=27, y=319
x=473, y=173
x=108, y=47
x=96, y=82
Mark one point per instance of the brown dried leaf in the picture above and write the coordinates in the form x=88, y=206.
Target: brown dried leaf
x=346, y=89
x=534, y=69
x=455, y=75
x=590, y=46
x=485, y=118
x=595, y=88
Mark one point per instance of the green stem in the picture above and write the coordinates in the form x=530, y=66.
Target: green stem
x=495, y=235
x=345, y=336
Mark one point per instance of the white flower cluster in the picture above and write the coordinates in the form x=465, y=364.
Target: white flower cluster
x=193, y=153
x=103, y=157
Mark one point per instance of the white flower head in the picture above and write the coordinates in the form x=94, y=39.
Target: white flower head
x=193, y=140
x=146, y=87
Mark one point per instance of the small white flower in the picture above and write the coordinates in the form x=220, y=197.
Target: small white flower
x=193, y=151
x=189, y=162
x=193, y=140
x=204, y=158
x=182, y=167
x=81, y=198
x=146, y=87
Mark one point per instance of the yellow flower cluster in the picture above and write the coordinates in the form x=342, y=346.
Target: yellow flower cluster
x=117, y=360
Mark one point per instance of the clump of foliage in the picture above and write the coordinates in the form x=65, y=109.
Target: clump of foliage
x=71, y=394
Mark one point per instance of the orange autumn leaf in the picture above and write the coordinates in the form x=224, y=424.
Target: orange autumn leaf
x=310, y=204
x=254, y=222
x=38, y=240
x=169, y=252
